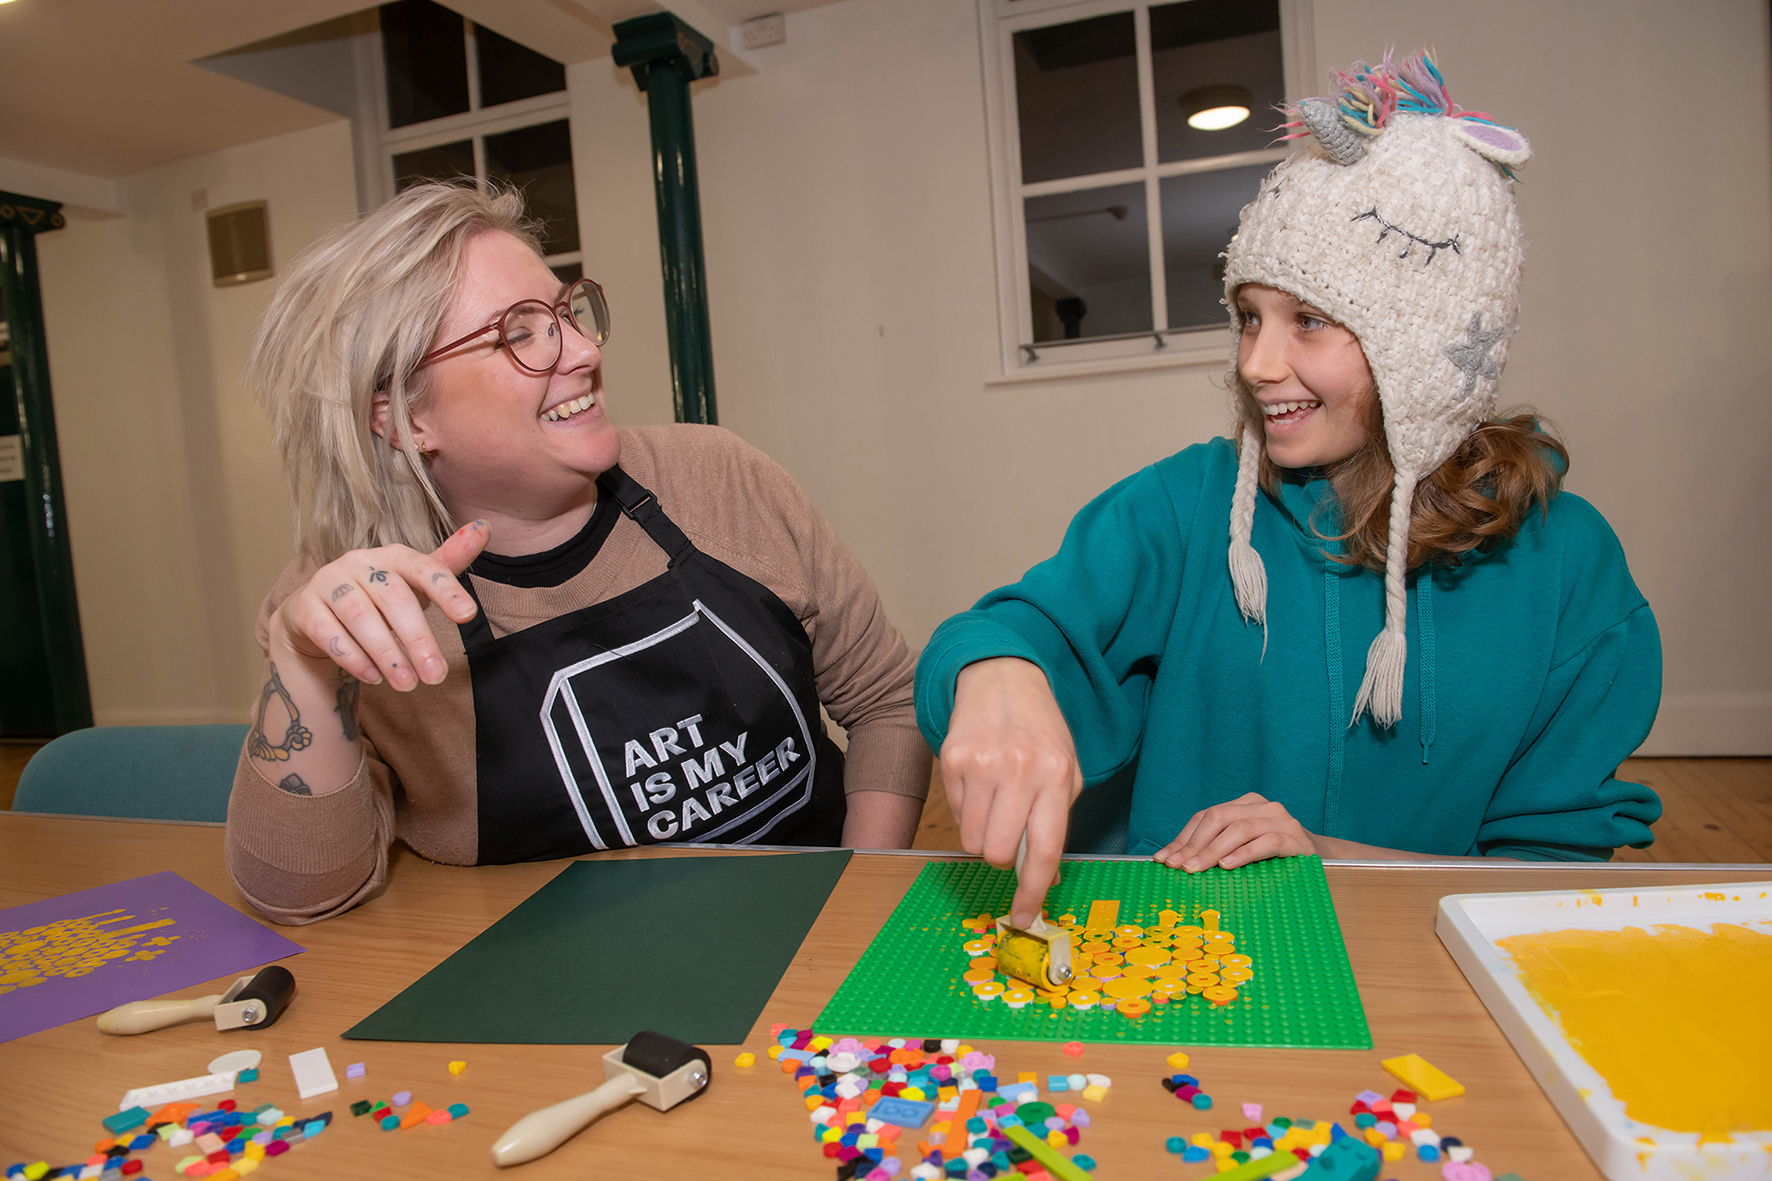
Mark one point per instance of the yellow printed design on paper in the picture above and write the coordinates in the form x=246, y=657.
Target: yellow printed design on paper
x=75, y=947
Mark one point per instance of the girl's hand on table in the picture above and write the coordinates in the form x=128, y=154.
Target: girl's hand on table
x=1249, y=828
x=363, y=611
x=1010, y=768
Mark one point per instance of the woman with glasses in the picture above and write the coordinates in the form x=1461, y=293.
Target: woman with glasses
x=514, y=631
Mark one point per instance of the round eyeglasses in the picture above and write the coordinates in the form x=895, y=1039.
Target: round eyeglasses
x=530, y=329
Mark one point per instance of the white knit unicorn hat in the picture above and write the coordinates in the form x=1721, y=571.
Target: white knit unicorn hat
x=1398, y=220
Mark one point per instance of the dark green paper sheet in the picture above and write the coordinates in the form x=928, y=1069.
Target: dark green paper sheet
x=691, y=947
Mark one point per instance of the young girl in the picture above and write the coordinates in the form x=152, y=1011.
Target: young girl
x=1232, y=672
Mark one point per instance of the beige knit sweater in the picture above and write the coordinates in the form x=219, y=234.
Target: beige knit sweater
x=302, y=858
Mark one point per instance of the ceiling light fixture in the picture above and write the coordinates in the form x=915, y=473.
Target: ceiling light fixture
x=1214, y=108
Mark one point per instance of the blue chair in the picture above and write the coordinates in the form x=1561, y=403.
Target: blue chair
x=149, y=772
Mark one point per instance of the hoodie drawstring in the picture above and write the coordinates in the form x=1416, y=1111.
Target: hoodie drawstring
x=1337, y=692
x=1424, y=622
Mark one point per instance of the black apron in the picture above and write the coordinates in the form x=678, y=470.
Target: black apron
x=683, y=710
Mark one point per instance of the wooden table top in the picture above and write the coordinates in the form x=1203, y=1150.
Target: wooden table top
x=56, y=1085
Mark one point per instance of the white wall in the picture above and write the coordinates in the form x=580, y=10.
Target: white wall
x=176, y=504
x=848, y=222
x=848, y=218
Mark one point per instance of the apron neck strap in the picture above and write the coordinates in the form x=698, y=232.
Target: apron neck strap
x=641, y=506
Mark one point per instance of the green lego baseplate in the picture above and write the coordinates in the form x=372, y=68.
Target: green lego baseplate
x=908, y=981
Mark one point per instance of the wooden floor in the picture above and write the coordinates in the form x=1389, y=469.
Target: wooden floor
x=1714, y=810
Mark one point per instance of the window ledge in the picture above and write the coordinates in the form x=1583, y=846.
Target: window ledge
x=1208, y=347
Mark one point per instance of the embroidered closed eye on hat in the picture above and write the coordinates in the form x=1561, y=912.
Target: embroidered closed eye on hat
x=1397, y=219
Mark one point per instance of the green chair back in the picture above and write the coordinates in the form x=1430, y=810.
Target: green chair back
x=148, y=772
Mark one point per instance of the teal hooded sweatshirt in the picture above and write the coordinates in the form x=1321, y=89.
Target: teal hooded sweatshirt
x=1533, y=671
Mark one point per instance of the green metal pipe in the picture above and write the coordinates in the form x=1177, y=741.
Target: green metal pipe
x=666, y=55
x=21, y=220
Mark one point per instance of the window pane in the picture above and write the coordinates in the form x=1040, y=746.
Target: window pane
x=425, y=54
x=509, y=71
x=443, y=162
x=1214, y=53
x=538, y=160
x=1089, y=268
x=1200, y=213
x=1076, y=91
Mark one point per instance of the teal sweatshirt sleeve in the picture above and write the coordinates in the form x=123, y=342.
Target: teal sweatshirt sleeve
x=1095, y=617
x=1560, y=798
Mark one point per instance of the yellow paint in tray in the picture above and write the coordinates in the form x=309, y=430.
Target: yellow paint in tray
x=1673, y=1018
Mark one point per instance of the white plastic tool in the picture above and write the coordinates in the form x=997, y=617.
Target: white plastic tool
x=313, y=1073
x=178, y=1092
x=659, y=1071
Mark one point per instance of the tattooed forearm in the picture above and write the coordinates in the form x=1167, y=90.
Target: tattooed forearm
x=348, y=688
x=294, y=785
x=295, y=736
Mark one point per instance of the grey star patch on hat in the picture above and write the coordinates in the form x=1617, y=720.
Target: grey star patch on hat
x=1472, y=357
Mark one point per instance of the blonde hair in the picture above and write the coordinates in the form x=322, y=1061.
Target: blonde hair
x=351, y=320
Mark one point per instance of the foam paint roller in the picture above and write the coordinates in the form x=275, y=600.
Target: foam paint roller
x=251, y=1002
x=659, y=1071
x=1039, y=953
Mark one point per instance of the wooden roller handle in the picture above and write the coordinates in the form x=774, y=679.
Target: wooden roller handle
x=142, y=1016
x=540, y=1132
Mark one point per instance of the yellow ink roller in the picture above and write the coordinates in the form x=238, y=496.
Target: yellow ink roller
x=1040, y=953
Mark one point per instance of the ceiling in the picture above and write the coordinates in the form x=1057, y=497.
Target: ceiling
x=107, y=88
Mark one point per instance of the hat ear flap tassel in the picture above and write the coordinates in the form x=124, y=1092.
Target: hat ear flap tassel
x=1248, y=574
x=1381, y=689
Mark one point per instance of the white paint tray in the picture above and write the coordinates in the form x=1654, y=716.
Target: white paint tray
x=1470, y=924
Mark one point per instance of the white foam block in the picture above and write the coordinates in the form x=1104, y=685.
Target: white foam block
x=178, y=1092
x=313, y=1073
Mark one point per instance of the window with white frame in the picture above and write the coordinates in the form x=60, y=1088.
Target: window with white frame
x=1127, y=135
x=456, y=99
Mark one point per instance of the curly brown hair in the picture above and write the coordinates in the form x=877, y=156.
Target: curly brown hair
x=1476, y=500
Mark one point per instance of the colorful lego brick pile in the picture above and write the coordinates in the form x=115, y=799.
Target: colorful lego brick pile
x=224, y=1144
x=876, y=1105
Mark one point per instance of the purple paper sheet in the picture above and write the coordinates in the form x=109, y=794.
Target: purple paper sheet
x=78, y=955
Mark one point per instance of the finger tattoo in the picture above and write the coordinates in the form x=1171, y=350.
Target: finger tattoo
x=340, y=591
x=377, y=575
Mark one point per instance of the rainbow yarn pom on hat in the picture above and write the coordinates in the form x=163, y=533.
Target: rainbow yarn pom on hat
x=1398, y=220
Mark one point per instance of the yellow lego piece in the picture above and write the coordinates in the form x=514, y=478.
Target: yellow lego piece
x=457, y=1067
x=1209, y=919
x=1422, y=1119
x=814, y=1102
x=1424, y=1078
x=242, y=1167
x=1094, y=1093
x=854, y=1117
x=1178, y=1060
x=1103, y=916
x=775, y=1052
x=1393, y=1150
x=1027, y=1077
x=1056, y=1139
x=1376, y=1138
x=745, y=1059
x=255, y=1151
x=1204, y=1139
